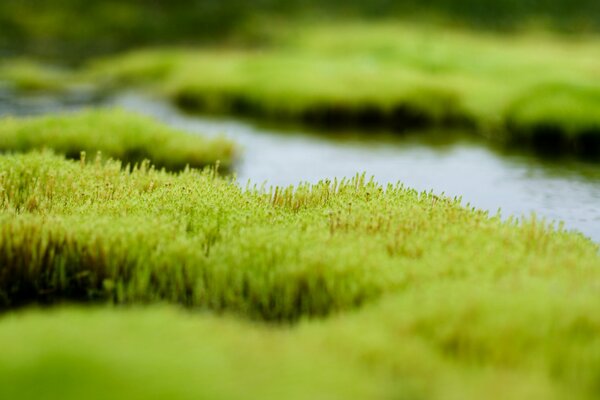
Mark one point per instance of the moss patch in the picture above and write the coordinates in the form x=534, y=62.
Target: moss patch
x=125, y=136
x=97, y=232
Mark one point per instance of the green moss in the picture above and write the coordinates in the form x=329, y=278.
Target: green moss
x=454, y=303
x=142, y=67
x=118, y=134
x=560, y=112
x=77, y=231
x=458, y=339
x=383, y=74
x=161, y=353
x=299, y=85
x=28, y=76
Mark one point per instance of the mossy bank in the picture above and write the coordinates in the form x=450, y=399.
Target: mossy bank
x=502, y=87
x=394, y=293
x=126, y=136
x=534, y=90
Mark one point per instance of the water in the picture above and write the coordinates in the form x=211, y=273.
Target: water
x=518, y=185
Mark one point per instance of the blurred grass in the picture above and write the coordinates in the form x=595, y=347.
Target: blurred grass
x=434, y=341
x=395, y=76
x=536, y=90
x=76, y=28
x=26, y=75
x=115, y=133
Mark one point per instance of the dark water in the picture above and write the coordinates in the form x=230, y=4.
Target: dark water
x=519, y=185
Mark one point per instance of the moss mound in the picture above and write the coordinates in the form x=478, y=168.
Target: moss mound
x=558, y=118
x=73, y=231
x=128, y=137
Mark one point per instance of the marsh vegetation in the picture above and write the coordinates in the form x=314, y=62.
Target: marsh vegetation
x=127, y=137
x=407, y=274
x=528, y=90
x=135, y=264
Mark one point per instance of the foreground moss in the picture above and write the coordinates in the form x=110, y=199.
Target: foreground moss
x=438, y=341
x=118, y=134
x=28, y=76
x=97, y=232
x=455, y=303
x=399, y=77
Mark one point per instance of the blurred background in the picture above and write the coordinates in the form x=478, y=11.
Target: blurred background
x=83, y=27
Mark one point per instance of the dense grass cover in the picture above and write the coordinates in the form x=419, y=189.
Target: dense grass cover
x=391, y=76
x=456, y=304
x=125, y=136
x=77, y=231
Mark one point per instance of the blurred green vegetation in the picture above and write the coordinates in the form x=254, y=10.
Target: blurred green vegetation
x=27, y=75
x=84, y=27
x=117, y=134
x=532, y=89
x=508, y=87
x=385, y=293
x=428, y=343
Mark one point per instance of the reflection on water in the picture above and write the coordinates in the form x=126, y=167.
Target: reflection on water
x=516, y=184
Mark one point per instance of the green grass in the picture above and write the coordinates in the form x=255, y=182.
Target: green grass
x=72, y=230
x=385, y=74
x=125, y=136
x=394, y=293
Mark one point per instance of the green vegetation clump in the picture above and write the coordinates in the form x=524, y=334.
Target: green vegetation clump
x=125, y=136
x=530, y=89
x=74, y=231
x=558, y=117
x=384, y=75
x=454, y=303
x=433, y=341
x=467, y=302
x=28, y=76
